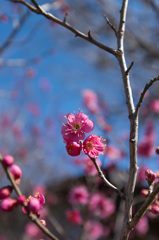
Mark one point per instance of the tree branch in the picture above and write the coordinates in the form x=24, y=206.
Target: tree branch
x=107, y=183
x=111, y=25
x=147, y=86
x=51, y=17
x=133, y=124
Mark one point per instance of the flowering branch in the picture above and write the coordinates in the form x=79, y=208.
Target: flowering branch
x=101, y=175
x=30, y=215
x=147, y=86
x=77, y=33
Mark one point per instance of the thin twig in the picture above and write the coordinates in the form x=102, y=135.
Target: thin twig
x=147, y=86
x=66, y=25
x=129, y=68
x=14, y=32
x=101, y=175
x=111, y=25
x=31, y=216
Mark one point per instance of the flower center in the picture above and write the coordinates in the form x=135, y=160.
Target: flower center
x=89, y=145
x=76, y=126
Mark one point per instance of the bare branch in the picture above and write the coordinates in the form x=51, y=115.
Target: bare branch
x=111, y=25
x=101, y=175
x=147, y=86
x=66, y=25
x=30, y=215
x=13, y=33
x=133, y=124
x=129, y=68
x=144, y=207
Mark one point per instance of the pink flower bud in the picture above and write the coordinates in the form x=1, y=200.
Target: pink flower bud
x=34, y=205
x=157, y=150
x=15, y=171
x=43, y=222
x=150, y=176
x=144, y=192
x=7, y=161
x=73, y=148
x=21, y=199
x=5, y=192
x=8, y=204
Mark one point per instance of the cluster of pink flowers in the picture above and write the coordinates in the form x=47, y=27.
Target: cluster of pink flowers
x=8, y=204
x=31, y=204
x=74, y=133
x=98, y=207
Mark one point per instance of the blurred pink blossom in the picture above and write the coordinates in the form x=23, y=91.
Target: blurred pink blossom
x=73, y=216
x=34, y=109
x=90, y=100
x=78, y=195
x=154, y=106
x=32, y=231
x=113, y=153
x=101, y=206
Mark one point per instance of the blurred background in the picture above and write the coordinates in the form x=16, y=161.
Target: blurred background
x=45, y=73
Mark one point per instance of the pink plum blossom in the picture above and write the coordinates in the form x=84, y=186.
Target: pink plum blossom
x=93, y=146
x=89, y=168
x=76, y=127
x=78, y=195
x=33, y=205
x=73, y=216
x=101, y=206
